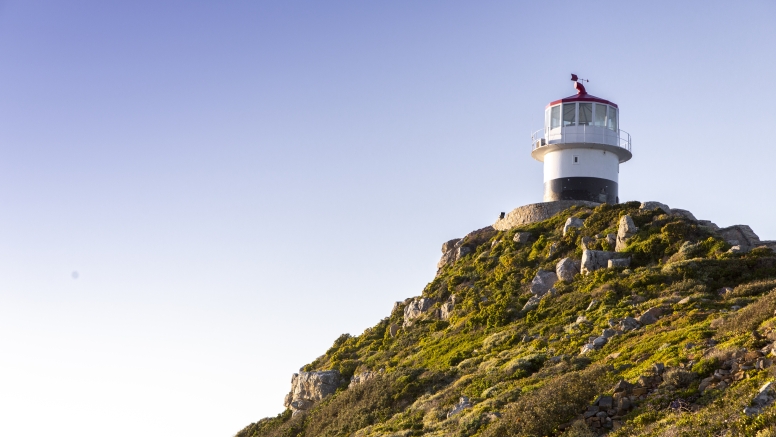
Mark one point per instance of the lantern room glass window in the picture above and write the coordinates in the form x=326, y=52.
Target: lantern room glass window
x=611, y=119
x=569, y=114
x=555, y=117
x=600, y=115
x=585, y=114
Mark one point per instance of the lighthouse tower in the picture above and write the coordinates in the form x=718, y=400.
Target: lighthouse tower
x=581, y=147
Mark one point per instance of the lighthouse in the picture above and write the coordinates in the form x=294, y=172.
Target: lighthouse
x=582, y=147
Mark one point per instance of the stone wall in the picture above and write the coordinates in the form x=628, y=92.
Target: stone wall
x=537, y=212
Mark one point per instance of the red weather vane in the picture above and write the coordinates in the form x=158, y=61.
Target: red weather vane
x=578, y=85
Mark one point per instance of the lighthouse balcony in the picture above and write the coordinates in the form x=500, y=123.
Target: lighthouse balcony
x=596, y=137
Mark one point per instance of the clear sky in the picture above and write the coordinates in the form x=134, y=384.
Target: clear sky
x=235, y=184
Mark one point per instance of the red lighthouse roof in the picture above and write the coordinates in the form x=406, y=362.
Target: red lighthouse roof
x=583, y=97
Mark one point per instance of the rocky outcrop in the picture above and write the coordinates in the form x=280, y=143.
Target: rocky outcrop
x=652, y=205
x=537, y=212
x=740, y=235
x=362, y=378
x=626, y=230
x=593, y=260
x=447, y=308
x=307, y=388
x=566, y=269
x=683, y=213
x=462, y=404
x=456, y=249
x=416, y=308
x=541, y=286
x=572, y=222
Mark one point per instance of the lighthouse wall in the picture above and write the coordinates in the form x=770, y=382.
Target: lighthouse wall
x=581, y=174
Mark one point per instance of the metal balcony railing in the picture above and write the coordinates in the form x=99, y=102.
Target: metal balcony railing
x=580, y=134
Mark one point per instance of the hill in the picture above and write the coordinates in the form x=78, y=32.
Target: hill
x=625, y=320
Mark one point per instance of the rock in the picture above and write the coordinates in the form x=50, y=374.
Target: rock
x=462, y=404
x=594, y=345
x=605, y=402
x=683, y=213
x=626, y=230
x=586, y=243
x=608, y=333
x=629, y=324
x=416, y=308
x=542, y=282
x=709, y=225
x=611, y=241
x=764, y=398
x=658, y=368
x=650, y=316
x=448, y=245
x=554, y=248
x=566, y=269
x=572, y=222
x=619, y=263
x=456, y=249
x=593, y=260
x=361, y=378
x=447, y=308
x=522, y=237
x=623, y=386
x=652, y=205
x=685, y=301
x=600, y=342
x=592, y=305
x=393, y=329
x=742, y=236
x=307, y=388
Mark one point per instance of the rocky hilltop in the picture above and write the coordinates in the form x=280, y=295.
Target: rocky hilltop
x=563, y=318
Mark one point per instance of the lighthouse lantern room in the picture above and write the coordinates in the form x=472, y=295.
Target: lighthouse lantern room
x=581, y=147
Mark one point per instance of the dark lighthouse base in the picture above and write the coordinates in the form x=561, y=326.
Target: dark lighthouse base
x=580, y=188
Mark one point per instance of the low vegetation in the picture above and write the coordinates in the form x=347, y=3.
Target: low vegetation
x=523, y=371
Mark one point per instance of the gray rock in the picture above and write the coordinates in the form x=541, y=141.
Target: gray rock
x=416, y=308
x=658, y=368
x=307, y=388
x=611, y=240
x=652, y=205
x=586, y=242
x=462, y=404
x=605, y=402
x=554, y=247
x=447, y=308
x=763, y=399
x=572, y=222
x=740, y=235
x=608, y=333
x=448, y=245
x=542, y=282
x=650, y=316
x=566, y=269
x=393, y=329
x=619, y=263
x=522, y=237
x=626, y=230
x=683, y=213
x=361, y=378
x=593, y=260
x=629, y=324
x=600, y=342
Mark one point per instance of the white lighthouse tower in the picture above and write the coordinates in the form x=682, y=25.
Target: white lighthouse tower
x=581, y=147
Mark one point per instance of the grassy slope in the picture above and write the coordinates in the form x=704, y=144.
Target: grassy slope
x=526, y=366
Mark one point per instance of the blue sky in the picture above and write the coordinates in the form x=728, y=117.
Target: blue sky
x=238, y=183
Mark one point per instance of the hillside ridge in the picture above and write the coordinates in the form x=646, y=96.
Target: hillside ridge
x=563, y=318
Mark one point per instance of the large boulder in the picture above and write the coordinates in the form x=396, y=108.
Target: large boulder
x=740, y=235
x=626, y=230
x=593, y=260
x=572, y=222
x=543, y=281
x=455, y=249
x=652, y=205
x=566, y=269
x=417, y=308
x=307, y=388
